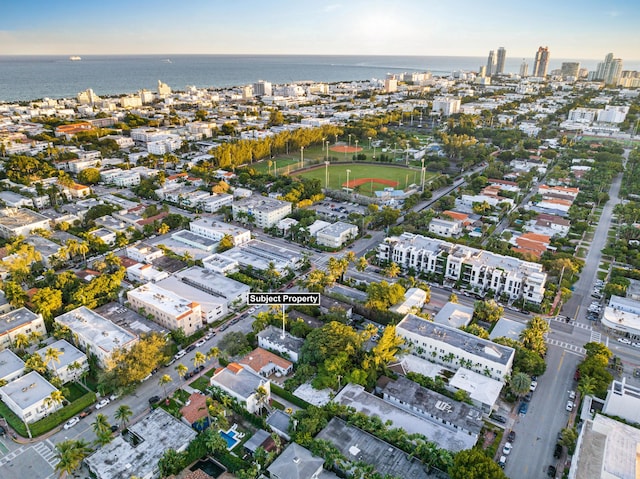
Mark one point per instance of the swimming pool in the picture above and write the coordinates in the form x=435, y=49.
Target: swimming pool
x=230, y=437
x=208, y=466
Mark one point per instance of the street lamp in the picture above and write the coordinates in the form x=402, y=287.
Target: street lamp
x=356, y=148
x=369, y=142
x=374, y=151
x=348, y=171
x=323, y=140
x=302, y=157
x=349, y=140
x=327, y=150
x=326, y=175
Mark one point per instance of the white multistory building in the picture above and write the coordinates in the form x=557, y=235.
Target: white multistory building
x=446, y=105
x=472, y=268
x=263, y=211
x=455, y=348
x=216, y=230
x=166, y=308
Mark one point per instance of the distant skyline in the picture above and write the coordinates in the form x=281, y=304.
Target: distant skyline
x=585, y=29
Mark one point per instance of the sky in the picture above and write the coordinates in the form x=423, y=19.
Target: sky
x=580, y=29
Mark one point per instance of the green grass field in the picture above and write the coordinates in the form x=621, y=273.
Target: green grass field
x=338, y=176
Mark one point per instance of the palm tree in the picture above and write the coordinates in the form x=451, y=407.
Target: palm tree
x=213, y=353
x=83, y=249
x=362, y=264
x=163, y=381
x=123, y=414
x=21, y=341
x=392, y=270
x=52, y=356
x=102, y=428
x=182, y=370
x=199, y=359
x=70, y=454
x=587, y=385
x=55, y=398
x=35, y=337
x=520, y=383
x=261, y=398
x=453, y=298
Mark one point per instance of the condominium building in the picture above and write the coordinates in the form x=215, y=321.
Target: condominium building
x=455, y=348
x=27, y=397
x=166, y=308
x=20, y=222
x=500, y=60
x=19, y=321
x=491, y=64
x=234, y=292
x=71, y=362
x=337, y=234
x=95, y=334
x=216, y=230
x=541, y=62
x=446, y=105
x=263, y=211
x=570, y=69
x=473, y=268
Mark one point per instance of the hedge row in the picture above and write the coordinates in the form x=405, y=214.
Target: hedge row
x=284, y=394
x=46, y=424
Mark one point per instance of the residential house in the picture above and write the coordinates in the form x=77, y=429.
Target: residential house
x=266, y=363
x=195, y=411
x=243, y=384
x=11, y=366
x=446, y=228
x=19, y=321
x=272, y=338
x=297, y=462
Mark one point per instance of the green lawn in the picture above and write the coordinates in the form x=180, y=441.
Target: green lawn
x=338, y=175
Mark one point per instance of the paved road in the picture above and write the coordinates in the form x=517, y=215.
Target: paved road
x=536, y=431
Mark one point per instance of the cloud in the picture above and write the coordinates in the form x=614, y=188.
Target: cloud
x=332, y=8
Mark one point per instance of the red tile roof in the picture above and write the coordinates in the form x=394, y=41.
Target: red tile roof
x=196, y=408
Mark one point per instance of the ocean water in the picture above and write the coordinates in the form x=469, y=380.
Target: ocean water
x=34, y=77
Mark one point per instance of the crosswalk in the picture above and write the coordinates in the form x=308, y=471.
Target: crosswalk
x=596, y=337
x=575, y=324
x=47, y=453
x=572, y=348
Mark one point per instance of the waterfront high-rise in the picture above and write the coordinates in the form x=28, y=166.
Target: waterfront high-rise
x=524, y=68
x=502, y=56
x=570, y=69
x=491, y=64
x=609, y=70
x=541, y=62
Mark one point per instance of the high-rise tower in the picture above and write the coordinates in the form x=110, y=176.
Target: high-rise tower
x=524, y=68
x=541, y=62
x=609, y=70
x=502, y=56
x=491, y=64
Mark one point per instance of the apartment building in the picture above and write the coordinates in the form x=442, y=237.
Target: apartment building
x=95, y=334
x=216, y=230
x=27, y=397
x=21, y=222
x=19, y=321
x=337, y=234
x=71, y=362
x=455, y=348
x=166, y=308
x=474, y=269
x=263, y=211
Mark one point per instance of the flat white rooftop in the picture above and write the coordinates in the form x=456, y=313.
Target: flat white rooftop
x=168, y=301
x=28, y=390
x=97, y=330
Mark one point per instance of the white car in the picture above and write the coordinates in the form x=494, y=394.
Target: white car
x=71, y=422
x=624, y=341
x=201, y=343
x=208, y=336
x=534, y=385
x=102, y=403
x=506, y=450
x=569, y=406
x=179, y=354
x=572, y=395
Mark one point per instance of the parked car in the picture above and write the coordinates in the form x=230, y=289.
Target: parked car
x=527, y=397
x=524, y=407
x=551, y=471
x=102, y=403
x=154, y=399
x=534, y=385
x=114, y=428
x=201, y=343
x=498, y=418
x=85, y=413
x=71, y=422
x=506, y=450
x=511, y=436
x=208, y=336
x=2, y=431
x=569, y=406
x=572, y=395
x=190, y=348
x=624, y=341
x=557, y=451
x=180, y=354
x=502, y=462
